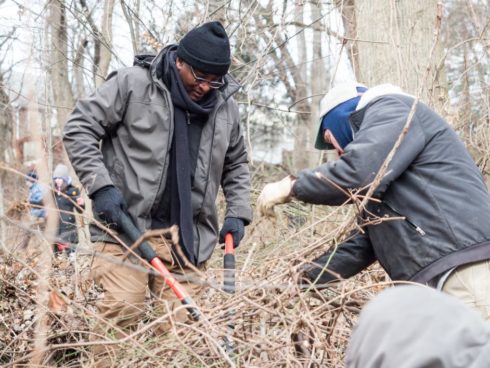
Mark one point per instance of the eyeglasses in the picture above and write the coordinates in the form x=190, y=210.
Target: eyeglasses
x=212, y=84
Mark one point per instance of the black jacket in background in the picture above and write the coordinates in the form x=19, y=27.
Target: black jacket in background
x=67, y=228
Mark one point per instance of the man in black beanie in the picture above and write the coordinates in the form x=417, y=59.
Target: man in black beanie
x=207, y=49
x=170, y=136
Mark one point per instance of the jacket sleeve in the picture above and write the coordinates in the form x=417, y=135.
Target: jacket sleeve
x=235, y=178
x=93, y=119
x=348, y=259
x=36, y=195
x=382, y=124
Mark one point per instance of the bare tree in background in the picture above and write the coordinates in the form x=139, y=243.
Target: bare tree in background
x=284, y=54
x=319, y=80
x=57, y=61
x=102, y=39
x=106, y=42
x=394, y=42
x=6, y=139
x=467, y=58
x=132, y=15
x=6, y=129
x=300, y=74
x=6, y=124
x=467, y=33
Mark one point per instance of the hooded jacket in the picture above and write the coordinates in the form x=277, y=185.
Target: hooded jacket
x=35, y=197
x=432, y=189
x=131, y=114
x=414, y=327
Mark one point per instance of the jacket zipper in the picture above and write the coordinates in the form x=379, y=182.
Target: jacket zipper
x=213, y=119
x=218, y=106
x=417, y=228
x=169, y=143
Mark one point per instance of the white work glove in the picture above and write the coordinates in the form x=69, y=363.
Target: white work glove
x=273, y=194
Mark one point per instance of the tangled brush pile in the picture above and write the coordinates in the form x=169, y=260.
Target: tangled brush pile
x=269, y=321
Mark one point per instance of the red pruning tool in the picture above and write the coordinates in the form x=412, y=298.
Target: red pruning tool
x=149, y=254
x=229, y=265
x=229, y=287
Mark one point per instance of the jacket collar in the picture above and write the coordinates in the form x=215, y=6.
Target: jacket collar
x=371, y=95
x=378, y=91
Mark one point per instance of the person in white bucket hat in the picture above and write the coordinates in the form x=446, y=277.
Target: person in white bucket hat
x=427, y=219
x=347, y=95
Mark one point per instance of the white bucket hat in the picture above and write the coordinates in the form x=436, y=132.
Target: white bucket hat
x=336, y=96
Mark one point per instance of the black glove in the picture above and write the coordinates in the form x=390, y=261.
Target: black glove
x=109, y=204
x=236, y=227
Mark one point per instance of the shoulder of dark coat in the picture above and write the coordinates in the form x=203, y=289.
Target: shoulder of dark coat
x=403, y=101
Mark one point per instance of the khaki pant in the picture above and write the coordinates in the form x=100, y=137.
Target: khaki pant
x=471, y=284
x=124, y=281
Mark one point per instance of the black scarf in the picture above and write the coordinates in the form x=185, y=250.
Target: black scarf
x=179, y=174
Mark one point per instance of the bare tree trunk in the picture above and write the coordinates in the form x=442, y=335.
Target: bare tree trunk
x=58, y=60
x=78, y=68
x=6, y=125
x=102, y=40
x=395, y=45
x=319, y=82
x=105, y=43
x=301, y=159
x=7, y=154
x=348, y=13
x=301, y=74
x=131, y=16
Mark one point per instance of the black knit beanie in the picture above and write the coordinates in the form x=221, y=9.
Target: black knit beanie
x=206, y=48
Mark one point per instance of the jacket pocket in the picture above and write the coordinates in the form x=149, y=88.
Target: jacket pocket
x=412, y=224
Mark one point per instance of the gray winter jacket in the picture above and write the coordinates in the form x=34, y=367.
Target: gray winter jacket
x=131, y=117
x=418, y=327
x=432, y=184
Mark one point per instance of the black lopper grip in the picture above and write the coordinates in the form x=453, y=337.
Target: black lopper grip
x=229, y=274
x=134, y=234
x=150, y=255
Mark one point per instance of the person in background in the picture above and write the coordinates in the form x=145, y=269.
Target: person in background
x=35, y=196
x=427, y=220
x=67, y=198
x=156, y=141
x=412, y=327
x=37, y=212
